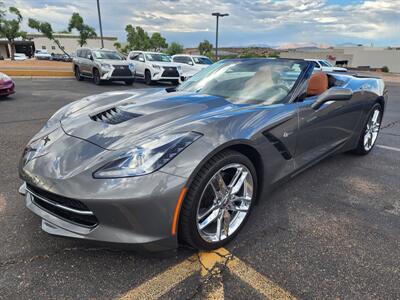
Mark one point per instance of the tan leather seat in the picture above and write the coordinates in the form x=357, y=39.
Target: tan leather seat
x=318, y=84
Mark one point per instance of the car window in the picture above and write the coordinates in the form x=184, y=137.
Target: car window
x=261, y=81
x=325, y=63
x=202, y=60
x=316, y=65
x=158, y=57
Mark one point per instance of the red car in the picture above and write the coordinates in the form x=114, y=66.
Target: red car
x=7, y=86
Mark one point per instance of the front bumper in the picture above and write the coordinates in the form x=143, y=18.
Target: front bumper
x=135, y=211
x=113, y=74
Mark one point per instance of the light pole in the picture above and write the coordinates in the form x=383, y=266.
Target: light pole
x=101, y=28
x=216, y=33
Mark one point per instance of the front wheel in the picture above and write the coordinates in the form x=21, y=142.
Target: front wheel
x=219, y=201
x=147, y=77
x=370, y=132
x=96, y=77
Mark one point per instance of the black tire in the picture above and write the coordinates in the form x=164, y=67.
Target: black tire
x=129, y=82
x=360, y=149
x=96, y=77
x=175, y=82
x=147, y=78
x=188, y=233
x=78, y=75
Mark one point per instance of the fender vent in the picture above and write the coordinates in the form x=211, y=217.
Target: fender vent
x=278, y=145
x=113, y=116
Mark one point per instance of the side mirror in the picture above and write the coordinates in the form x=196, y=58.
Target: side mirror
x=90, y=56
x=141, y=59
x=190, y=63
x=333, y=94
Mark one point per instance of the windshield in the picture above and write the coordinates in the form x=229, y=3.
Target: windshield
x=253, y=81
x=325, y=63
x=202, y=60
x=107, y=55
x=158, y=57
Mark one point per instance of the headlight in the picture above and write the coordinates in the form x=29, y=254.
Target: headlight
x=156, y=67
x=179, y=68
x=148, y=157
x=131, y=67
x=106, y=66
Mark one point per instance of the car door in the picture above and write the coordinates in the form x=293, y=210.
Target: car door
x=326, y=129
x=86, y=62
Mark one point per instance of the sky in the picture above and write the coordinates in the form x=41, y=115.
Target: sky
x=282, y=23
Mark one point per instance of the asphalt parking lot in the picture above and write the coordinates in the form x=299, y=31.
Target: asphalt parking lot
x=333, y=232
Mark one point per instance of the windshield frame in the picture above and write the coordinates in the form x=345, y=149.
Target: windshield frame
x=292, y=95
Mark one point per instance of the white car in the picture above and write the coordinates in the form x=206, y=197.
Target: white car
x=42, y=54
x=191, y=64
x=155, y=66
x=20, y=56
x=325, y=66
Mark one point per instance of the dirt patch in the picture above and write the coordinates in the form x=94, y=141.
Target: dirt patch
x=35, y=65
x=362, y=185
x=2, y=203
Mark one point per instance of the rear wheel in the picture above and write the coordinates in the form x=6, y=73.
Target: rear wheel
x=370, y=132
x=96, y=77
x=147, y=77
x=219, y=201
x=78, y=75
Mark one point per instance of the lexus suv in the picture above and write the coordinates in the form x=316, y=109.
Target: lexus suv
x=191, y=64
x=101, y=65
x=155, y=66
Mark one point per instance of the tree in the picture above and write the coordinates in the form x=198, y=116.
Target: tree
x=158, y=42
x=85, y=31
x=137, y=38
x=205, y=47
x=46, y=29
x=10, y=29
x=175, y=48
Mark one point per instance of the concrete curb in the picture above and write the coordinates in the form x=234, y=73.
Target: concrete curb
x=34, y=73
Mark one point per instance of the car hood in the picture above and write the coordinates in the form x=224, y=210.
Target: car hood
x=116, y=120
x=112, y=61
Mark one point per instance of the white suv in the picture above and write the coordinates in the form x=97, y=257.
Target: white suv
x=191, y=64
x=325, y=66
x=155, y=66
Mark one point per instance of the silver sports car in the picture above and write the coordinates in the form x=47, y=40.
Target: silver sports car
x=157, y=167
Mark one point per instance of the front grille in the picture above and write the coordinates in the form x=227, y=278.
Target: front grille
x=170, y=72
x=71, y=210
x=113, y=116
x=121, y=71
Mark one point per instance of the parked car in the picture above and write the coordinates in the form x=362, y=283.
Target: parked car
x=325, y=66
x=191, y=64
x=60, y=57
x=7, y=86
x=42, y=54
x=101, y=65
x=20, y=56
x=155, y=66
x=154, y=167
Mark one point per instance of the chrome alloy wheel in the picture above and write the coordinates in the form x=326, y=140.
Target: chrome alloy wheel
x=372, y=130
x=225, y=202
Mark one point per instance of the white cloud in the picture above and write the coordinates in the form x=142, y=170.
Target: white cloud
x=250, y=21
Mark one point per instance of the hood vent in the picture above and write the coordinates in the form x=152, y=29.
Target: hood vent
x=114, y=116
x=281, y=147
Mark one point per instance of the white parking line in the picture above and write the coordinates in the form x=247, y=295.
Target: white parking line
x=388, y=148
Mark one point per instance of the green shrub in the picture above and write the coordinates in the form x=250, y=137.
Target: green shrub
x=385, y=69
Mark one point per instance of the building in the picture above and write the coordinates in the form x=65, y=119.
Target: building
x=353, y=57
x=38, y=41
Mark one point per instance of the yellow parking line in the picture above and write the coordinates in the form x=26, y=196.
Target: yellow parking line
x=208, y=263
x=164, y=282
x=257, y=281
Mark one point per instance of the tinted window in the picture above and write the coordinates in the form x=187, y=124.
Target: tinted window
x=183, y=59
x=202, y=61
x=158, y=57
x=106, y=55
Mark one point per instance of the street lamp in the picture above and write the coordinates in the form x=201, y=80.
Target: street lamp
x=218, y=15
x=101, y=29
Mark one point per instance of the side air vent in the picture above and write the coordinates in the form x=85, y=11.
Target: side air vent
x=278, y=145
x=113, y=116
